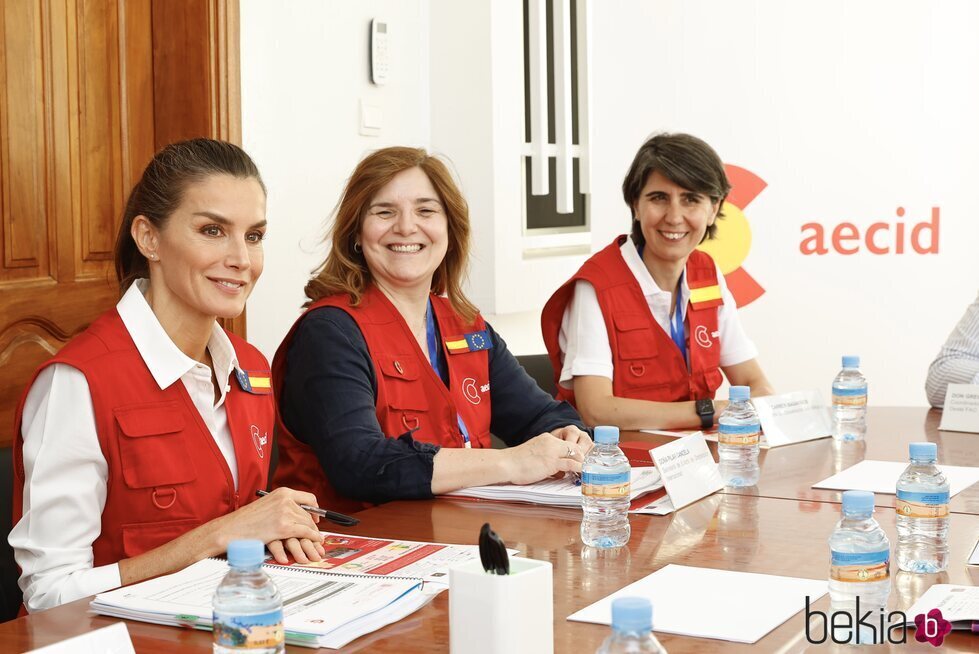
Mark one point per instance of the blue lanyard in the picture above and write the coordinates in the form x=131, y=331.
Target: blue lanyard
x=677, y=332
x=433, y=358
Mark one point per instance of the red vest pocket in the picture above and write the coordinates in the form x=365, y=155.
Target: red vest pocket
x=154, y=449
x=634, y=338
x=140, y=538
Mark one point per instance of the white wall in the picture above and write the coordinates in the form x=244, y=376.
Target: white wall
x=848, y=111
x=304, y=72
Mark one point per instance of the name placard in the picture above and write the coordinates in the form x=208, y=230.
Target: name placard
x=961, y=412
x=689, y=471
x=793, y=417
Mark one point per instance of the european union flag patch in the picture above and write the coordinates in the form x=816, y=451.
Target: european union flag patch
x=256, y=383
x=472, y=342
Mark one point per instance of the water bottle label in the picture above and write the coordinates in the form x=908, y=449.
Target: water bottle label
x=922, y=505
x=850, y=396
x=253, y=631
x=603, y=485
x=860, y=567
x=739, y=435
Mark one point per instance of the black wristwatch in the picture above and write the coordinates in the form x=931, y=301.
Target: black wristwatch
x=705, y=409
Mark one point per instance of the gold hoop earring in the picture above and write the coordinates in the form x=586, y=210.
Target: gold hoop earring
x=357, y=248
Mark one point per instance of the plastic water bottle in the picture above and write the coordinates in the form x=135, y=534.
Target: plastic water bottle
x=922, y=513
x=605, y=486
x=632, y=628
x=850, y=402
x=247, y=605
x=739, y=430
x=859, y=577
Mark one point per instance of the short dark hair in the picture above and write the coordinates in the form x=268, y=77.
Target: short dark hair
x=685, y=160
x=161, y=189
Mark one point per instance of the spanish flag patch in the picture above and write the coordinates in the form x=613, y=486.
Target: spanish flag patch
x=473, y=342
x=705, y=297
x=256, y=383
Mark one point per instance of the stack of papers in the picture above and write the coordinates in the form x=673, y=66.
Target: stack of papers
x=322, y=609
x=363, y=555
x=564, y=492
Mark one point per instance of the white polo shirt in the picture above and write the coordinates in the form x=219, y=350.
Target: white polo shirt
x=66, y=472
x=583, y=338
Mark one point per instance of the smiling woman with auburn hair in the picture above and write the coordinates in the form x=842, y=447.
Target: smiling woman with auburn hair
x=390, y=383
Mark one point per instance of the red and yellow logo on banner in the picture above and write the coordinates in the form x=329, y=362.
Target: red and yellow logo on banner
x=733, y=242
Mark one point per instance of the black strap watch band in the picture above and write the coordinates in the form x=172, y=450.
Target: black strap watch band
x=705, y=409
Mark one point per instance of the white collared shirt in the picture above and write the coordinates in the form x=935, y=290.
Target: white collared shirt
x=583, y=338
x=66, y=472
x=958, y=360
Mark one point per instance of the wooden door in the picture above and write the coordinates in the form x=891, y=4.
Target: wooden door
x=87, y=94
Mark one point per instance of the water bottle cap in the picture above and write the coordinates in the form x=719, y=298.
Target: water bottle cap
x=927, y=451
x=246, y=553
x=740, y=393
x=632, y=614
x=851, y=361
x=605, y=434
x=858, y=501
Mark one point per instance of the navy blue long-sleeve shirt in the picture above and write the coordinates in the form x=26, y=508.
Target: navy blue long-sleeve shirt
x=328, y=402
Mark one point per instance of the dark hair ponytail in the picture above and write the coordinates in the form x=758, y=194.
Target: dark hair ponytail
x=161, y=188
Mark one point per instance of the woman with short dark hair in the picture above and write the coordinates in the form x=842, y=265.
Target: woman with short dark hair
x=391, y=382
x=141, y=444
x=639, y=336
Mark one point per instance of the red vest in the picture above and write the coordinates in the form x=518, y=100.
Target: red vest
x=166, y=473
x=647, y=365
x=411, y=396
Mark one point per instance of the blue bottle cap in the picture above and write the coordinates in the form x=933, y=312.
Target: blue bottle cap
x=851, y=361
x=632, y=614
x=246, y=553
x=740, y=393
x=923, y=451
x=605, y=434
x=858, y=501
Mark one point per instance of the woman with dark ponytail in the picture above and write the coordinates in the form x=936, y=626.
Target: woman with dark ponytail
x=140, y=445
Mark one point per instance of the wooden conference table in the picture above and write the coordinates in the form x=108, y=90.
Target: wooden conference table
x=780, y=528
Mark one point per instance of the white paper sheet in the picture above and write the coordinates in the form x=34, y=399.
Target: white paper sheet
x=974, y=559
x=955, y=602
x=113, y=639
x=705, y=603
x=882, y=476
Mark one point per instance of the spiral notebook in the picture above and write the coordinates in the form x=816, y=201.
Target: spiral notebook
x=322, y=609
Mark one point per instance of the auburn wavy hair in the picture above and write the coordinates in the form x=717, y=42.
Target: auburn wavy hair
x=345, y=269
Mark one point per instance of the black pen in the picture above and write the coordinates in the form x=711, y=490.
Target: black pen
x=333, y=516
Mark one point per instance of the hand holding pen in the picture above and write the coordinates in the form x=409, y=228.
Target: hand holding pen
x=332, y=516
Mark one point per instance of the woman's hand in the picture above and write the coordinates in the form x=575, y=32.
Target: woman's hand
x=575, y=437
x=301, y=550
x=277, y=520
x=546, y=455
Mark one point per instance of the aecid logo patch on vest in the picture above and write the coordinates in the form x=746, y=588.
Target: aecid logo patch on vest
x=471, y=390
x=704, y=337
x=259, y=440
